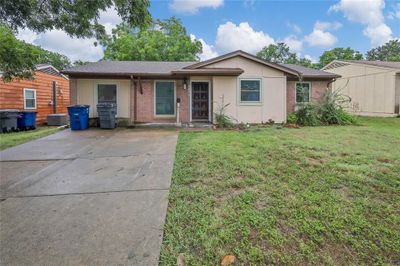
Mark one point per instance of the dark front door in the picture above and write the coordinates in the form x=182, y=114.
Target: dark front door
x=200, y=104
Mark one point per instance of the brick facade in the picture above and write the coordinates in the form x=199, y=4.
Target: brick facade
x=317, y=91
x=145, y=104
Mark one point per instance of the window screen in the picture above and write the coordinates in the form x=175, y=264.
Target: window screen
x=29, y=99
x=302, y=92
x=107, y=93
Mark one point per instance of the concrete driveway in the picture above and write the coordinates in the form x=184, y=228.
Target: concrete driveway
x=94, y=197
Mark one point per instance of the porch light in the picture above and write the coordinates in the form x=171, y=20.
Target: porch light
x=185, y=81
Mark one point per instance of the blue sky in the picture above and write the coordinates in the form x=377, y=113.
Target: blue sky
x=308, y=27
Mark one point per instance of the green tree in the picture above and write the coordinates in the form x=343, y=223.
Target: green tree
x=339, y=54
x=78, y=18
x=19, y=59
x=280, y=53
x=164, y=40
x=390, y=51
x=277, y=53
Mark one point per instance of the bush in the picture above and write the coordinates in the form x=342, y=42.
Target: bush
x=223, y=121
x=291, y=118
x=308, y=115
x=328, y=111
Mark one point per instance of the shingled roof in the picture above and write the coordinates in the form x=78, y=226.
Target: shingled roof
x=307, y=72
x=162, y=68
x=123, y=68
x=386, y=64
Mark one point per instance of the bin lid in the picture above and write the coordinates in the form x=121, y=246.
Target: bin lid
x=106, y=105
x=79, y=106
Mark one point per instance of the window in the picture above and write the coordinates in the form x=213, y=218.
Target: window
x=303, y=90
x=29, y=99
x=107, y=93
x=165, y=98
x=250, y=90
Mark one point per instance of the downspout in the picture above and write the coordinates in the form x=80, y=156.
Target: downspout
x=54, y=97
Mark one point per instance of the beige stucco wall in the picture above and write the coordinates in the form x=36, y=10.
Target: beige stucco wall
x=273, y=92
x=371, y=89
x=87, y=94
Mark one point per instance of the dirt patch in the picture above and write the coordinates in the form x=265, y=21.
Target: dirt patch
x=228, y=195
x=344, y=192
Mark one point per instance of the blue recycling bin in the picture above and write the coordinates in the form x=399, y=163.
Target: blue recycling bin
x=27, y=120
x=78, y=117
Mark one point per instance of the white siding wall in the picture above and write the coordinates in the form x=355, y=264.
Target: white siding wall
x=87, y=94
x=273, y=94
x=372, y=89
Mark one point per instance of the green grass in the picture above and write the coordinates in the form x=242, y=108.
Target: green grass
x=315, y=195
x=8, y=140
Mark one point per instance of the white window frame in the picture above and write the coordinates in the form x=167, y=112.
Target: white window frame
x=309, y=93
x=155, y=98
x=240, y=92
x=34, y=98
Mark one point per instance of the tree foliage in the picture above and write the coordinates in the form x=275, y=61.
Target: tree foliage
x=339, y=54
x=164, y=40
x=277, y=53
x=77, y=18
x=280, y=53
x=19, y=59
x=387, y=52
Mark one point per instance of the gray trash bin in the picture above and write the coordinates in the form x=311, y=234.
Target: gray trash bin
x=9, y=120
x=107, y=113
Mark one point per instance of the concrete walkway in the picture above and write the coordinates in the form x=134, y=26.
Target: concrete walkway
x=95, y=197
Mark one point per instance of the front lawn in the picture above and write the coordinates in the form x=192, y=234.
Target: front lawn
x=315, y=195
x=8, y=140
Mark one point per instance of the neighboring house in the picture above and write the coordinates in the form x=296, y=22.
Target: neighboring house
x=374, y=86
x=46, y=94
x=147, y=92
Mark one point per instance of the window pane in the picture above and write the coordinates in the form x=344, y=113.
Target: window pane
x=302, y=92
x=250, y=90
x=165, y=100
x=107, y=93
x=30, y=103
x=29, y=94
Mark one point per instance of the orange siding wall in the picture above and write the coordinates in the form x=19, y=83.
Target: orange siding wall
x=12, y=94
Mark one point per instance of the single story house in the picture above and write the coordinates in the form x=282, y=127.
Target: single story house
x=255, y=90
x=46, y=94
x=374, y=86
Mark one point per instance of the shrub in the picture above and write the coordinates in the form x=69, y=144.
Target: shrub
x=223, y=121
x=328, y=111
x=291, y=118
x=308, y=115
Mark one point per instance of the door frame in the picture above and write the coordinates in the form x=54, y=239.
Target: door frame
x=209, y=99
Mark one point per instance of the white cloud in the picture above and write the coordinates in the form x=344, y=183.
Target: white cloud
x=320, y=36
x=395, y=13
x=294, y=44
x=379, y=34
x=208, y=50
x=296, y=28
x=232, y=37
x=109, y=19
x=58, y=41
x=193, y=6
x=327, y=25
x=311, y=58
x=369, y=13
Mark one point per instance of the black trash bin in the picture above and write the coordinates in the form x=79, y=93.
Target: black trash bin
x=107, y=113
x=9, y=120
